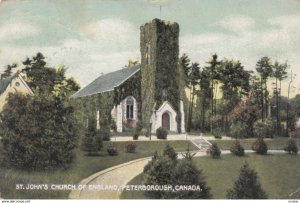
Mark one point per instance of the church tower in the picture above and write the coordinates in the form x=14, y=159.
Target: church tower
x=160, y=94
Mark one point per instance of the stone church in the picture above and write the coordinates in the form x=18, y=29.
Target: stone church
x=148, y=93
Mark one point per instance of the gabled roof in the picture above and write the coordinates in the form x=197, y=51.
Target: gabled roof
x=107, y=82
x=4, y=83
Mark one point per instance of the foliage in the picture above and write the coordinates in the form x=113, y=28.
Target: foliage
x=247, y=186
x=39, y=132
x=239, y=130
x=291, y=147
x=214, y=151
x=260, y=146
x=104, y=134
x=92, y=141
x=161, y=133
x=9, y=70
x=130, y=147
x=170, y=152
x=112, y=150
x=159, y=77
x=246, y=112
x=137, y=131
x=263, y=128
x=237, y=149
x=186, y=173
x=163, y=170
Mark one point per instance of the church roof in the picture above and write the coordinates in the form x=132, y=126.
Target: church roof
x=4, y=83
x=107, y=82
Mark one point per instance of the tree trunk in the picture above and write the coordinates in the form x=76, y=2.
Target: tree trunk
x=262, y=98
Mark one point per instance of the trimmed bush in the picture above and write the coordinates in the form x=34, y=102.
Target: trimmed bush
x=214, y=151
x=161, y=133
x=112, y=150
x=105, y=134
x=130, y=147
x=237, y=149
x=260, y=146
x=264, y=129
x=291, y=147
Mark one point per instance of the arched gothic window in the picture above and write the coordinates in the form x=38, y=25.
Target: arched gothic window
x=129, y=108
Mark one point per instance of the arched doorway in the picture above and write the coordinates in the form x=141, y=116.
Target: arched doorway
x=165, y=121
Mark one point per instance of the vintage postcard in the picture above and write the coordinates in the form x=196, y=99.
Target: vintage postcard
x=149, y=99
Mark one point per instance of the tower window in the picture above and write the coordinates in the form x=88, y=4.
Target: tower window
x=148, y=53
x=129, y=108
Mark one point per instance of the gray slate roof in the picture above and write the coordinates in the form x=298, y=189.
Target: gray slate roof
x=4, y=83
x=107, y=82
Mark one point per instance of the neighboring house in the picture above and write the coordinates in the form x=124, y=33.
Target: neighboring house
x=148, y=93
x=12, y=84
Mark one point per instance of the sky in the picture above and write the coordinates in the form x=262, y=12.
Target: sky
x=91, y=37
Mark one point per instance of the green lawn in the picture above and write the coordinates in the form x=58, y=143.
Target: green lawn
x=279, y=174
x=275, y=143
x=82, y=167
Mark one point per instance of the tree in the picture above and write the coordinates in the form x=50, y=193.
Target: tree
x=194, y=78
x=279, y=73
x=235, y=84
x=9, y=70
x=41, y=131
x=132, y=63
x=186, y=173
x=170, y=152
x=264, y=68
x=163, y=170
x=247, y=186
x=213, y=63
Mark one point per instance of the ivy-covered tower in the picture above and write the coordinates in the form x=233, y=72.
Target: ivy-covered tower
x=159, y=45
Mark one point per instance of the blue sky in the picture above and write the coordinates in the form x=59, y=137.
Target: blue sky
x=95, y=36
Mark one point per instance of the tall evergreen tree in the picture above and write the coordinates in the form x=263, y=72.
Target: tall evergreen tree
x=264, y=68
x=247, y=186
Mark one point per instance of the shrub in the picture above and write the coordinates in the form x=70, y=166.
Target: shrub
x=137, y=130
x=105, y=134
x=264, y=128
x=218, y=136
x=90, y=145
x=170, y=152
x=247, y=186
x=214, y=151
x=259, y=146
x=291, y=147
x=112, y=150
x=237, y=149
x=161, y=133
x=162, y=170
x=239, y=130
x=130, y=147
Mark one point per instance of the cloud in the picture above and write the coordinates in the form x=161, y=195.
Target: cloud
x=13, y=31
x=237, y=23
x=108, y=29
x=279, y=39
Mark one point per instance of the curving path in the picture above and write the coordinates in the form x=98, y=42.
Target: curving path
x=122, y=174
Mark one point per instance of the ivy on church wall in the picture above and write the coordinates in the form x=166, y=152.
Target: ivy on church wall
x=160, y=77
x=88, y=106
x=131, y=87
